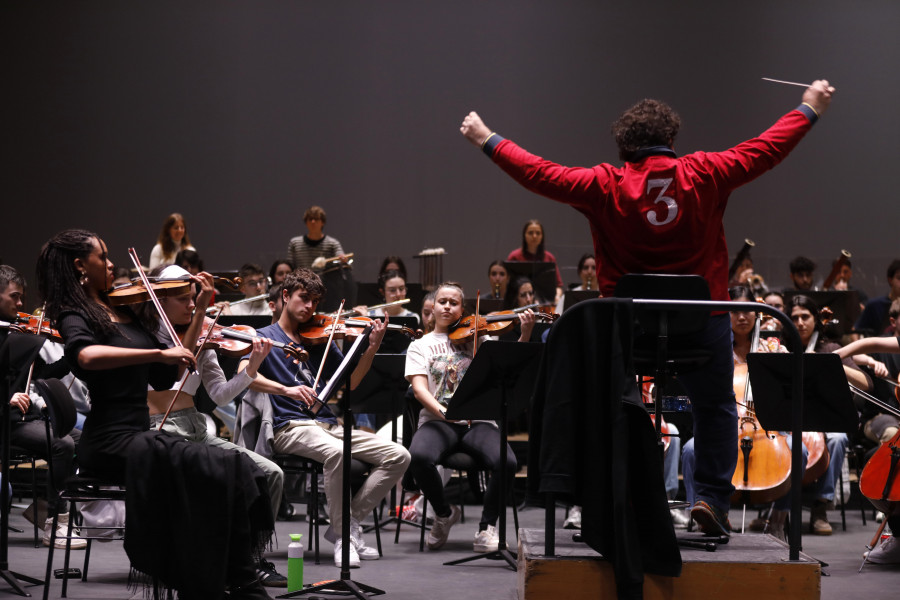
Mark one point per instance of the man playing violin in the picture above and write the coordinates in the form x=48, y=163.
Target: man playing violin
x=26, y=429
x=661, y=213
x=318, y=436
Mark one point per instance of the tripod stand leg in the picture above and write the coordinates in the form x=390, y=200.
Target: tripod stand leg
x=346, y=586
x=13, y=580
x=501, y=554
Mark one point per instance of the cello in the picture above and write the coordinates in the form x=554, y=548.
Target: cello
x=763, y=471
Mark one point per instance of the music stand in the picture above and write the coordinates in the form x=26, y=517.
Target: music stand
x=345, y=585
x=541, y=274
x=573, y=297
x=827, y=402
x=25, y=353
x=843, y=303
x=499, y=381
x=383, y=390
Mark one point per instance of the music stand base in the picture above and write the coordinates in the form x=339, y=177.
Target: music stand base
x=13, y=578
x=500, y=554
x=348, y=586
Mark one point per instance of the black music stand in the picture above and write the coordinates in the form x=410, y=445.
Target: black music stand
x=345, y=585
x=573, y=297
x=383, y=390
x=541, y=274
x=499, y=381
x=25, y=353
x=827, y=402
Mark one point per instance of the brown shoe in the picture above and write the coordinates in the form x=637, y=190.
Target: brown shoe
x=818, y=520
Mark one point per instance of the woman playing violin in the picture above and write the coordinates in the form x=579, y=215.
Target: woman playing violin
x=434, y=368
x=115, y=354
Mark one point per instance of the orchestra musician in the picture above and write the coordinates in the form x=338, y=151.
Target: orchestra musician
x=499, y=279
x=434, y=367
x=288, y=385
x=661, y=213
x=26, y=430
x=185, y=420
x=173, y=238
x=805, y=315
x=888, y=552
x=802, y=270
x=532, y=250
x=587, y=272
x=116, y=355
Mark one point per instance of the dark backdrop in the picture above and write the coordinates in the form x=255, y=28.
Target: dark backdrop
x=240, y=115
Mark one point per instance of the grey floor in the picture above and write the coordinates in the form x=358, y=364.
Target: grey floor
x=405, y=574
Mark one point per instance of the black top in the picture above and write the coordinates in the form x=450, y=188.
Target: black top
x=122, y=385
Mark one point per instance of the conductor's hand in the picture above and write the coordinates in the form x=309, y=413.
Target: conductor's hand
x=474, y=129
x=818, y=95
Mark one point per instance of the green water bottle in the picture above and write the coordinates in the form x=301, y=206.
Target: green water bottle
x=295, y=563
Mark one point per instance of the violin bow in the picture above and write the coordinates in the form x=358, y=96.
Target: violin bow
x=477, y=308
x=31, y=368
x=213, y=309
x=334, y=325
x=159, y=309
x=184, y=378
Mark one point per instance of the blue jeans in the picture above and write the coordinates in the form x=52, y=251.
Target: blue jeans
x=715, y=412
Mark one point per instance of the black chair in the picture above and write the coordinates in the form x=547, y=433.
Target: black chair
x=79, y=488
x=459, y=462
x=311, y=469
x=19, y=457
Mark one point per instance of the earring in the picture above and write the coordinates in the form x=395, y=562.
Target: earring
x=84, y=278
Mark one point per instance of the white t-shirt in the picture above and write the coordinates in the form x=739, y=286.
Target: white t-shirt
x=442, y=362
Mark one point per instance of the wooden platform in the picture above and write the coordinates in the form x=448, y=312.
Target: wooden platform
x=749, y=566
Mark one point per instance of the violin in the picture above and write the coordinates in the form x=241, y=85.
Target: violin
x=35, y=324
x=665, y=434
x=495, y=323
x=137, y=293
x=237, y=340
x=318, y=329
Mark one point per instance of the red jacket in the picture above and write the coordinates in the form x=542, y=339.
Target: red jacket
x=661, y=214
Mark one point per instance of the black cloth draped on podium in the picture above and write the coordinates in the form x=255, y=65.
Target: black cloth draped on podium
x=593, y=443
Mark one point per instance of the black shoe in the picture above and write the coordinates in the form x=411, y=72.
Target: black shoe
x=268, y=576
x=250, y=591
x=285, y=511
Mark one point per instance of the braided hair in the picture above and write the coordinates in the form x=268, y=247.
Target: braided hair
x=59, y=281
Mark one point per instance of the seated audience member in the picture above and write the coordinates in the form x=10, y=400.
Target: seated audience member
x=318, y=436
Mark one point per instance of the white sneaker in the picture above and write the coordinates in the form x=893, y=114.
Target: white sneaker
x=62, y=530
x=679, y=519
x=440, y=529
x=354, y=557
x=888, y=553
x=573, y=521
x=487, y=540
x=356, y=538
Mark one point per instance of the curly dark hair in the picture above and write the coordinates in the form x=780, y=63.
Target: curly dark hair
x=59, y=281
x=306, y=279
x=647, y=123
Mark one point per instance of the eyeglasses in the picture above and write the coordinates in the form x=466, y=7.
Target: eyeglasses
x=254, y=282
